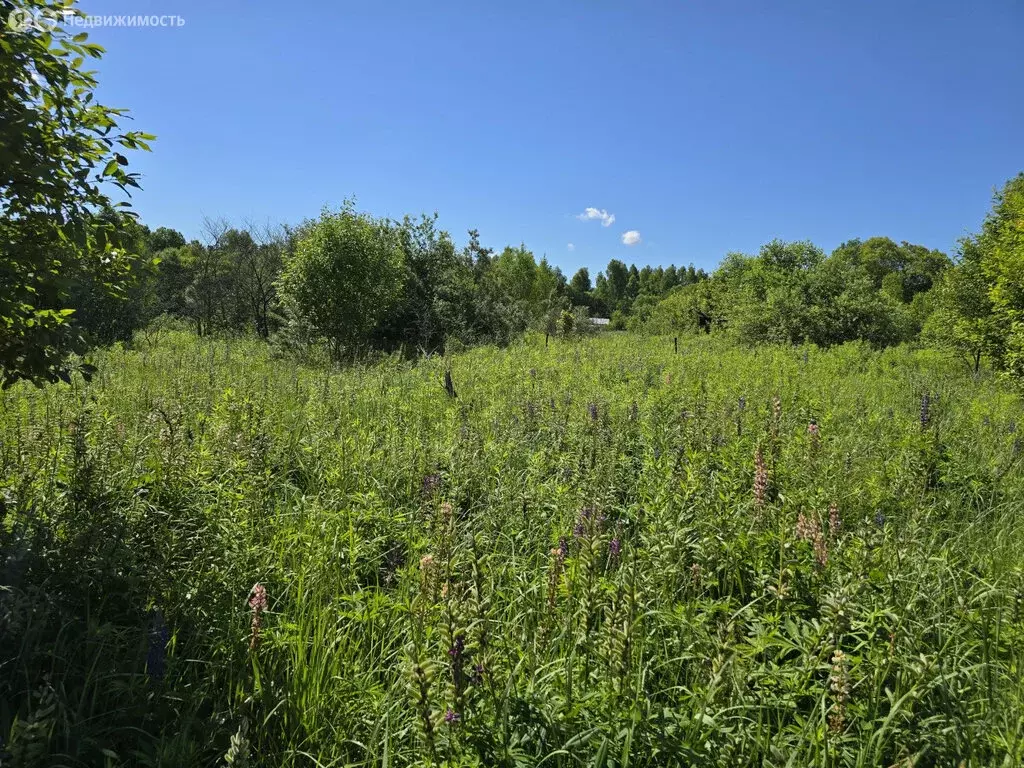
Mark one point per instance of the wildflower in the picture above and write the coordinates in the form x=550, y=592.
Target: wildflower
x=809, y=530
x=820, y=550
x=835, y=524
x=839, y=685
x=578, y=529
x=478, y=673
x=457, y=655
x=615, y=548
x=431, y=483
x=760, y=479
x=879, y=519
x=805, y=528
x=563, y=547
x=446, y=512
x=815, y=434
x=428, y=575
x=592, y=410
x=455, y=652
x=925, y=410
x=258, y=604
x=451, y=716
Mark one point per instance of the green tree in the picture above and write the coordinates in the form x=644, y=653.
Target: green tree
x=580, y=285
x=670, y=279
x=963, y=320
x=343, y=276
x=164, y=237
x=438, y=296
x=1001, y=247
x=617, y=275
x=60, y=152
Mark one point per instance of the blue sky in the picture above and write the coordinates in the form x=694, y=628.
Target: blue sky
x=704, y=127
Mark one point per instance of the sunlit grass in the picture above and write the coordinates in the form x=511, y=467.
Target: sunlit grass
x=565, y=564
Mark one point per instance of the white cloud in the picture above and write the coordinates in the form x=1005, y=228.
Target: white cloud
x=630, y=238
x=571, y=246
x=594, y=214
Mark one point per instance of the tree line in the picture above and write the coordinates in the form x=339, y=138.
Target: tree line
x=875, y=290
x=355, y=281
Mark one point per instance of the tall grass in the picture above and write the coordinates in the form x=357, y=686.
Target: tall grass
x=579, y=560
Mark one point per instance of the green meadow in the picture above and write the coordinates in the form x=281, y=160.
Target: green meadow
x=598, y=552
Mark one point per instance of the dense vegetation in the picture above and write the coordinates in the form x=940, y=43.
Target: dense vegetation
x=599, y=552
x=354, y=282
x=324, y=494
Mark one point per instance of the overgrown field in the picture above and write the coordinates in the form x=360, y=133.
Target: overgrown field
x=598, y=553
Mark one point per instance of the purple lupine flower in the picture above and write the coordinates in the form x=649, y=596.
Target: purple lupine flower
x=879, y=519
x=478, y=673
x=592, y=410
x=431, y=483
x=563, y=547
x=451, y=716
x=925, y=410
x=455, y=652
x=615, y=548
x=578, y=529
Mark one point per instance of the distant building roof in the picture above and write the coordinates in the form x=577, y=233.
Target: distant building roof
x=599, y=321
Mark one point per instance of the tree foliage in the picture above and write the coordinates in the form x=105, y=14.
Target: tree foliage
x=344, y=275
x=60, y=152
